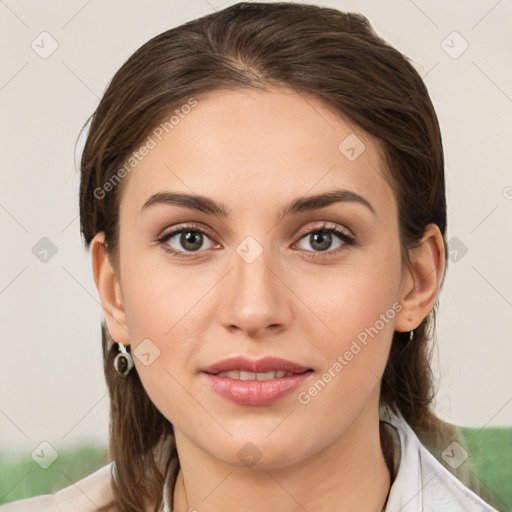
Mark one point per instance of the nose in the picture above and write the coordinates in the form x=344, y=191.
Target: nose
x=255, y=298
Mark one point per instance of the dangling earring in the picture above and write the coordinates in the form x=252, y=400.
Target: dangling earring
x=411, y=335
x=123, y=361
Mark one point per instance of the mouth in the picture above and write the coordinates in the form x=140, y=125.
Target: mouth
x=255, y=382
x=241, y=367
x=245, y=375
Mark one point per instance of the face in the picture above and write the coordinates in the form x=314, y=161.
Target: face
x=318, y=286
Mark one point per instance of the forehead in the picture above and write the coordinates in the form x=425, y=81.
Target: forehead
x=255, y=148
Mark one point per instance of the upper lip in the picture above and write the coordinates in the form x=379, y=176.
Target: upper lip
x=265, y=364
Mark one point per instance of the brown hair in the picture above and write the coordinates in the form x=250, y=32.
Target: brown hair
x=331, y=55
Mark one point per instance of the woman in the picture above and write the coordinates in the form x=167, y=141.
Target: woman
x=263, y=197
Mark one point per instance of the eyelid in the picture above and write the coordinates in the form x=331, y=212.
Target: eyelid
x=191, y=226
x=324, y=225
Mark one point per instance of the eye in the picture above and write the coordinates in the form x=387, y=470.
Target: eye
x=321, y=239
x=188, y=238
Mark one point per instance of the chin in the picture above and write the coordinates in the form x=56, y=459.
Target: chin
x=263, y=454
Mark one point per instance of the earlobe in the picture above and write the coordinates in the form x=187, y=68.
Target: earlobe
x=421, y=282
x=107, y=284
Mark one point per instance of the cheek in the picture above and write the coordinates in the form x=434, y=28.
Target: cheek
x=349, y=299
x=355, y=354
x=158, y=313
x=156, y=294
x=353, y=323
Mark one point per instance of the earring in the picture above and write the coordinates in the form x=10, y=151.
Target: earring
x=123, y=361
x=411, y=335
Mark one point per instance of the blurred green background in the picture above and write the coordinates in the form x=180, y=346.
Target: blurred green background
x=490, y=453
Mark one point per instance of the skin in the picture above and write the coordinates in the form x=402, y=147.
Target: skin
x=255, y=151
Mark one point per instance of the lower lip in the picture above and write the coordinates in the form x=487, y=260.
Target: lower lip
x=256, y=392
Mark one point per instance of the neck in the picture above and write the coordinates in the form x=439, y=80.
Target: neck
x=350, y=473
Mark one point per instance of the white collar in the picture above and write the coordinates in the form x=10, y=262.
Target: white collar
x=422, y=483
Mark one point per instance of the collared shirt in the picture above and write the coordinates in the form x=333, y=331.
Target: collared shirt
x=422, y=484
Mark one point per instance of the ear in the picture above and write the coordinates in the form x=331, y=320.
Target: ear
x=421, y=281
x=109, y=290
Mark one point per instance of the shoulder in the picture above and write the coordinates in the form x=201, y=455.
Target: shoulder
x=422, y=482
x=87, y=495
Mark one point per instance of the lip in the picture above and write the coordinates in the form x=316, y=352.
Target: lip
x=265, y=364
x=255, y=392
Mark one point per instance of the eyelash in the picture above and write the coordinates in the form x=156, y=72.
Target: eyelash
x=325, y=227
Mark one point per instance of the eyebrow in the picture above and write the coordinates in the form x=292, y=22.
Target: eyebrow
x=302, y=204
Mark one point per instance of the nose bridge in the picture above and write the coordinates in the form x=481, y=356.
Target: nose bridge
x=253, y=296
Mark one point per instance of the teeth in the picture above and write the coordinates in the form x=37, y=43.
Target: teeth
x=247, y=376
x=242, y=375
x=264, y=376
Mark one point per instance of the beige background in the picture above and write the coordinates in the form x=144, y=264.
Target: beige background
x=52, y=385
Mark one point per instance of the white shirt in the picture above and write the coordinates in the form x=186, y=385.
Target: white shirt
x=421, y=484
